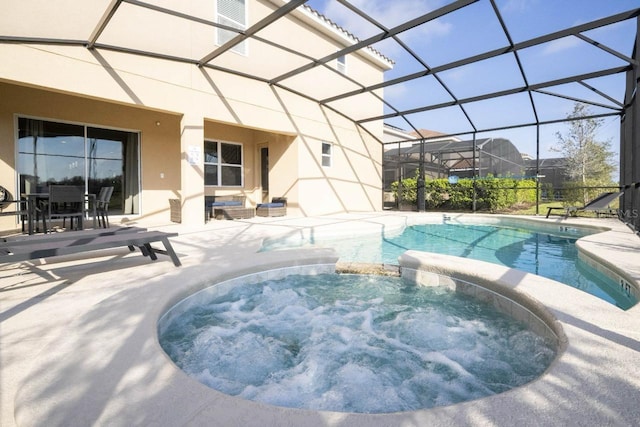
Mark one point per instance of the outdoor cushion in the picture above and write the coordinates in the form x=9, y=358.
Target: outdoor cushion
x=227, y=203
x=271, y=205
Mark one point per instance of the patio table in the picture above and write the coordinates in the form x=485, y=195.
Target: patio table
x=32, y=203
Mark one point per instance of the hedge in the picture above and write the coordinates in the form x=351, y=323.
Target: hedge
x=492, y=193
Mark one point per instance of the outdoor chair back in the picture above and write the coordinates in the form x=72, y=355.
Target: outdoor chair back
x=102, y=206
x=65, y=201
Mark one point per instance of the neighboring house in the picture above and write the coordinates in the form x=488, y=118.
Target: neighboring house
x=400, y=158
x=127, y=105
x=552, y=173
x=445, y=156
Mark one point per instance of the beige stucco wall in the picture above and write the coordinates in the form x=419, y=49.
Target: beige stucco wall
x=125, y=91
x=252, y=140
x=159, y=152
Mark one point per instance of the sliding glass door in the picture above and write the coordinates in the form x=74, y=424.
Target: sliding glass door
x=71, y=154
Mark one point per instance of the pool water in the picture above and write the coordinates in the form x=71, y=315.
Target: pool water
x=351, y=343
x=554, y=256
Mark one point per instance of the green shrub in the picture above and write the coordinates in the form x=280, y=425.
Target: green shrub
x=575, y=193
x=436, y=192
x=500, y=193
x=461, y=195
x=409, y=192
x=492, y=194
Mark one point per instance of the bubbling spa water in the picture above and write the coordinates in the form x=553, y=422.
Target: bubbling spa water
x=351, y=343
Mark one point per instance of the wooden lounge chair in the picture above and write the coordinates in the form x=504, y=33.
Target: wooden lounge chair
x=598, y=204
x=45, y=246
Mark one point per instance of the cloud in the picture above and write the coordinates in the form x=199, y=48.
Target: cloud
x=517, y=6
x=561, y=45
x=395, y=92
x=390, y=14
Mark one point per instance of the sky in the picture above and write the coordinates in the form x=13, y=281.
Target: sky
x=474, y=30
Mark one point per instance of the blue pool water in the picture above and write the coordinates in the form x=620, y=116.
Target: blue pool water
x=351, y=343
x=550, y=255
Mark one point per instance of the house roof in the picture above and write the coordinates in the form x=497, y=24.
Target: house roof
x=552, y=162
x=426, y=133
x=345, y=32
x=452, y=146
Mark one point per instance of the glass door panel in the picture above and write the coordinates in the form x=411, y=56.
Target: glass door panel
x=59, y=153
x=49, y=153
x=105, y=167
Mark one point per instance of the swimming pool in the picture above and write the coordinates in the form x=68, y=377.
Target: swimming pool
x=551, y=254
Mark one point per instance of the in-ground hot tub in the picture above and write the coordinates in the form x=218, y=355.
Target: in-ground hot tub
x=356, y=343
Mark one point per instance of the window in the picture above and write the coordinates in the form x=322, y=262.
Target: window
x=232, y=13
x=223, y=164
x=342, y=64
x=326, y=154
x=74, y=154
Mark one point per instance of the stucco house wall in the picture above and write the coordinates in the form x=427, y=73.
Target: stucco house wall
x=176, y=106
x=159, y=152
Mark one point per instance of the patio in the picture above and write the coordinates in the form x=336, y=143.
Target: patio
x=96, y=360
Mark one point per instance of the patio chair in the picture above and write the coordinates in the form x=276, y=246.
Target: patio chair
x=231, y=207
x=65, y=201
x=102, y=206
x=12, y=207
x=598, y=204
x=277, y=207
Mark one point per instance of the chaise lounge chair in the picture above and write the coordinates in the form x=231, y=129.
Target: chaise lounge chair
x=598, y=204
x=24, y=248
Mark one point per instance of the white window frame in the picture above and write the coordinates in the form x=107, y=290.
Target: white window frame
x=341, y=64
x=328, y=157
x=220, y=165
x=222, y=35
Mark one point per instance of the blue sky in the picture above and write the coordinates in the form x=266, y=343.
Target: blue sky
x=474, y=30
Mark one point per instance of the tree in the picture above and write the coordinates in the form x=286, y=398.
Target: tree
x=590, y=162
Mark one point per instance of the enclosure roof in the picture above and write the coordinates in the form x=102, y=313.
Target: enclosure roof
x=503, y=62
x=456, y=146
x=556, y=162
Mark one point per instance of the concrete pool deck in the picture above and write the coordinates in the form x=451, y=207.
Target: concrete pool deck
x=78, y=341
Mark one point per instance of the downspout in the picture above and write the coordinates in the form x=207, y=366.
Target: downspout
x=537, y=169
x=420, y=183
x=400, y=170
x=473, y=205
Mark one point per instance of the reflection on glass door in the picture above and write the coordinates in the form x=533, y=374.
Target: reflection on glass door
x=264, y=173
x=60, y=153
x=109, y=154
x=49, y=153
